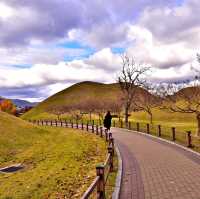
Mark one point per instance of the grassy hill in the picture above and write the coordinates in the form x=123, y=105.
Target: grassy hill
x=52, y=158
x=99, y=92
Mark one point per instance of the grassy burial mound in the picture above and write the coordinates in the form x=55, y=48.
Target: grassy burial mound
x=58, y=163
x=91, y=95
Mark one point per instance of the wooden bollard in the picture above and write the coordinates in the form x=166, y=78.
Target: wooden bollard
x=138, y=126
x=61, y=123
x=92, y=128
x=101, y=131
x=87, y=127
x=159, y=131
x=173, y=134
x=72, y=125
x=110, y=151
x=51, y=123
x=101, y=182
x=42, y=122
x=77, y=124
x=56, y=122
x=189, y=139
x=148, y=129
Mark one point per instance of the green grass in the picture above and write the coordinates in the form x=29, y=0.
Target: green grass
x=58, y=162
x=182, y=121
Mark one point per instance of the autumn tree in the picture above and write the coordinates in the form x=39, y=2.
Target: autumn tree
x=7, y=106
x=131, y=78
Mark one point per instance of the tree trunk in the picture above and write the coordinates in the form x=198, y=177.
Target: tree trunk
x=198, y=122
x=151, y=117
x=126, y=115
x=90, y=116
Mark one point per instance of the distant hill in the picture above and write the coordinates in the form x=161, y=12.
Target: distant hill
x=78, y=93
x=23, y=103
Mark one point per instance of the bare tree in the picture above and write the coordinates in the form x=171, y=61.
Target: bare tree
x=131, y=78
x=184, y=100
x=56, y=110
x=147, y=102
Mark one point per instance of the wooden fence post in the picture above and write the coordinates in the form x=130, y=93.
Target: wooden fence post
x=159, y=131
x=121, y=124
x=87, y=126
x=110, y=151
x=82, y=127
x=56, y=123
x=113, y=123
x=66, y=123
x=129, y=125
x=101, y=131
x=109, y=135
x=72, y=125
x=93, y=128
x=173, y=134
x=101, y=183
x=97, y=130
x=106, y=135
x=77, y=124
x=148, y=131
x=138, y=126
x=111, y=143
x=189, y=139
x=61, y=123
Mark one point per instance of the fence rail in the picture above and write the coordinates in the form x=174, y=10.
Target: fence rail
x=102, y=170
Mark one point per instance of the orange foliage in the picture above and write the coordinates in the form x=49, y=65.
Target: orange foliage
x=7, y=106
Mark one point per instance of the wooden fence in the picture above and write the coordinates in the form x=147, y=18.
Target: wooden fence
x=98, y=185
x=171, y=133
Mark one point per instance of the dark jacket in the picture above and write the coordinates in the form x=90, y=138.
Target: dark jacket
x=107, y=120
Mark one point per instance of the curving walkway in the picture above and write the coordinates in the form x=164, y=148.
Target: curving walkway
x=153, y=169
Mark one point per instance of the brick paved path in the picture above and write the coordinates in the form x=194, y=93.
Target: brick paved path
x=153, y=169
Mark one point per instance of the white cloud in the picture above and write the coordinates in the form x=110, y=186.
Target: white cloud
x=5, y=11
x=74, y=71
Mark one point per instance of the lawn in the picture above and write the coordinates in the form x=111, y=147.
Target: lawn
x=58, y=162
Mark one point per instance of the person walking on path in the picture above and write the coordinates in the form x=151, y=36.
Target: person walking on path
x=107, y=121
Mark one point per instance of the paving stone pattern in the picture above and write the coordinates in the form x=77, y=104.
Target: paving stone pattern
x=155, y=170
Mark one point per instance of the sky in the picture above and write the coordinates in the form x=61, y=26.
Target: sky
x=48, y=45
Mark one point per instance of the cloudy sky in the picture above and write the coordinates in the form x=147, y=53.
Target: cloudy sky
x=48, y=45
